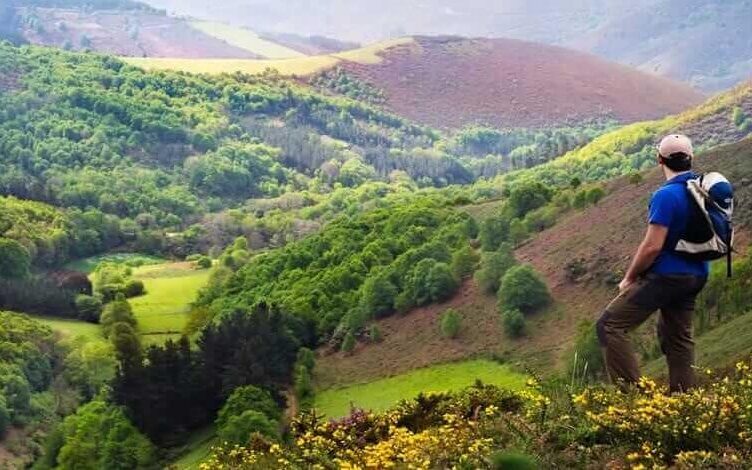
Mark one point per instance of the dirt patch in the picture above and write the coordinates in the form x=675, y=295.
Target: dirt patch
x=450, y=82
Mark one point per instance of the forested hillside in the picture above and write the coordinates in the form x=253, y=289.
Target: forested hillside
x=146, y=153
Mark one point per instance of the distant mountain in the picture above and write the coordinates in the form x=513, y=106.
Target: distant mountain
x=452, y=82
x=702, y=42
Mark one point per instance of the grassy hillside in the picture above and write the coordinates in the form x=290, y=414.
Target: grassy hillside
x=170, y=288
x=384, y=393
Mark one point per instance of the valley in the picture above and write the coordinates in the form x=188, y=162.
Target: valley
x=230, y=248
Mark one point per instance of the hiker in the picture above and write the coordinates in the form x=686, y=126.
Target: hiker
x=659, y=278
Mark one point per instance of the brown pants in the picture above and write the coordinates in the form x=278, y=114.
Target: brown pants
x=675, y=297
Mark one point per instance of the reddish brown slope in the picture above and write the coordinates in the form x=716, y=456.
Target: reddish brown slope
x=451, y=82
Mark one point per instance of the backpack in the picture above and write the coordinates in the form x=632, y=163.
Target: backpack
x=710, y=233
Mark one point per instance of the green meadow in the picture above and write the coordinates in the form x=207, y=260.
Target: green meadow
x=384, y=393
x=70, y=328
x=170, y=288
x=87, y=265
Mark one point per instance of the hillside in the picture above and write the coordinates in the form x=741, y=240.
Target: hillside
x=451, y=82
x=702, y=42
x=615, y=227
x=454, y=82
x=132, y=29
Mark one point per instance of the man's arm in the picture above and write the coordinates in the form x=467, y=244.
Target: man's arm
x=648, y=251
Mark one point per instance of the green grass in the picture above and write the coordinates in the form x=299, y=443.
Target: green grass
x=719, y=348
x=307, y=65
x=70, y=328
x=384, y=393
x=170, y=288
x=87, y=265
x=246, y=39
x=197, y=448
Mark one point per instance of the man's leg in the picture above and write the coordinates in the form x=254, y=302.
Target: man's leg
x=625, y=313
x=675, y=337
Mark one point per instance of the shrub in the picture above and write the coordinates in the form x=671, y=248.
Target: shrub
x=248, y=398
x=635, y=178
x=89, y=308
x=204, y=262
x=15, y=260
x=522, y=288
x=348, y=344
x=134, y=288
x=586, y=359
x=239, y=429
x=492, y=267
x=374, y=334
x=595, y=195
x=512, y=461
x=464, y=262
x=514, y=323
x=450, y=323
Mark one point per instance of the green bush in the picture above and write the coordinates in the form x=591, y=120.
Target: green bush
x=204, y=262
x=134, y=288
x=348, y=343
x=89, y=308
x=239, y=429
x=450, y=323
x=514, y=323
x=585, y=363
x=464, y=262
x=15, y=260
x=521, y=288
x=512, y=461
x=493, y=266
x=248, y=398
x=374, y=334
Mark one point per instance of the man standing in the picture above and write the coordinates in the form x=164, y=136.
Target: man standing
x=659, y=279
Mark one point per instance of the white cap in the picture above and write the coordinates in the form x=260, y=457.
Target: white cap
x=676, y=143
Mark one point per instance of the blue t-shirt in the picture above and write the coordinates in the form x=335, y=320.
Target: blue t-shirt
x=670, y=207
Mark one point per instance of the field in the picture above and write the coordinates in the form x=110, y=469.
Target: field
x=246, y=39
x=382, y=394
x=87, y=265
x=301, y=66
x=170, y=288
x=197, y=449
x=70, y=328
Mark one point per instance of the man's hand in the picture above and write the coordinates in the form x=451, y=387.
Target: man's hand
x=646, y=254
x=625, y=284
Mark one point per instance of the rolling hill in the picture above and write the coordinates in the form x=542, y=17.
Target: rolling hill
x=699, y=41
x=451, y=82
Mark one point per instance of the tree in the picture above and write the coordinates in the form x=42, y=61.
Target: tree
x=14, y=259
x=513, y=322
x=492, y=267
x=240, y=428
x=378, y=294
x=98, y=436
x=89, y=308
x=450, y=323
x=464, y=262
x=204, y=262
x=595, y=194
x=521, y=288
x=355, y=172
x=517, y=231
x=493, y=232
x=248, y=398
x=134, y=288
x=117, y=311
x=527, y=196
